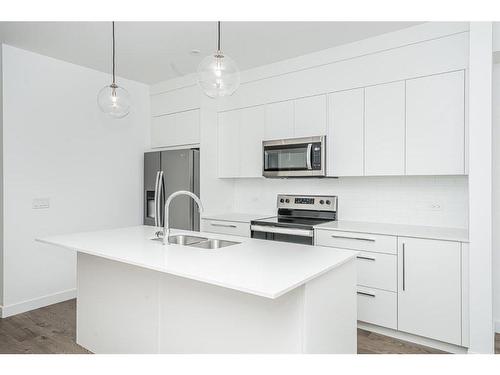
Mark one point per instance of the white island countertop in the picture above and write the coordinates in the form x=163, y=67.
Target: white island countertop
x=263, y=268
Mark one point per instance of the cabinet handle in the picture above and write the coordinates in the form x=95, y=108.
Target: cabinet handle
x=366, y=294
x=404, y=267
x=355, y=238
x=223, y=225
x=365, y=258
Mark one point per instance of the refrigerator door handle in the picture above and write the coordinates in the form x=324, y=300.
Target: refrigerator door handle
x=159, y=191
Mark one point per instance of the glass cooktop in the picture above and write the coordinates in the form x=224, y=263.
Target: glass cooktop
x=291, y=222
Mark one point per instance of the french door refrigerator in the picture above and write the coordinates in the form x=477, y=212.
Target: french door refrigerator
x=166, y=172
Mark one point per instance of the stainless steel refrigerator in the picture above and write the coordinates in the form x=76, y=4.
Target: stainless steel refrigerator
x=165, y=172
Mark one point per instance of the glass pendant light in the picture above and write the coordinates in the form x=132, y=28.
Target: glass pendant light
x=112, y=99
x=218, y=74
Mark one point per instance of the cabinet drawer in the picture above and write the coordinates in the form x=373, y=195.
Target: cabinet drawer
x=377, y=307
x=377, y=270
x=357, y=241
x=233, y=228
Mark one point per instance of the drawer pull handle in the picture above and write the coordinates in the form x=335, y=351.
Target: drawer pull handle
x=365, y=258
x=223, y=225
x=366, y=294
x=355, y=238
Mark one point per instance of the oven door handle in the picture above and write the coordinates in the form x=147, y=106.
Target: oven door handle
x=308, y=156
x=281, y=230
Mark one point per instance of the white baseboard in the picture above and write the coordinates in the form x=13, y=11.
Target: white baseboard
x=450, y=348
x=35, y=303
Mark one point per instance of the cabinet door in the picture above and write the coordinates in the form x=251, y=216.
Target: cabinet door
x=188, y=127
x=435, y=125
x=279, y=120
x=385, y=129
x=250, y=141
x=345, y=133
x=310, y=116
x=429, y=289
x=176, y=129
x=228, y=153
x=162, y=130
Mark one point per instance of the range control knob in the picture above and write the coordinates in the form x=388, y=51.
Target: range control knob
x=287, y=200
x=321, y=201
x=282, y=200
x=328, y=202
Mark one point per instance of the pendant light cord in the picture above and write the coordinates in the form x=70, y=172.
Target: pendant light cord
x=113, y=26
x=218, y=35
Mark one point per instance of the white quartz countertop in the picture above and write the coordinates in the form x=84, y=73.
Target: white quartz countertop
x=239, y=217
x=264, y=268
x=417, y=231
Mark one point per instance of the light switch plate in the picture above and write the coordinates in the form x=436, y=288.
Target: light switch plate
x=40, y=203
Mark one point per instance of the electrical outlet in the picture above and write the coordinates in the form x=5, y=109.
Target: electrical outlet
x=40, y=203
x=435, y=207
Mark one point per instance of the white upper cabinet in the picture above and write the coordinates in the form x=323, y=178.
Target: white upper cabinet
x=345, y=133
x=279, y=120
x=385, y=129
x=176, y=129
x=429, y=289
x=240, y=134
x=412, y=127
x=435, y=125
x=228, y=134
x=310, y=116
x=250, y=141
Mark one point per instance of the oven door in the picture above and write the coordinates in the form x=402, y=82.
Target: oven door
x=299, y=157
x=274, y=233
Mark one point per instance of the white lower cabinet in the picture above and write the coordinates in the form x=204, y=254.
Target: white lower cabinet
x=429, y=289
x=413, y=285
x=377, y=270
x=233, y=228
x=377, y=273
x=378, y=307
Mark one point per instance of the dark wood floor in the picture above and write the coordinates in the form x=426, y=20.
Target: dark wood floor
x=52, y=330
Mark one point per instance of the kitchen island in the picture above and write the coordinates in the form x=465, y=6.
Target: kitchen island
x=136, y=295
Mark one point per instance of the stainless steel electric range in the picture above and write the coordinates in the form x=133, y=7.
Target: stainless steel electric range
x=297, y=215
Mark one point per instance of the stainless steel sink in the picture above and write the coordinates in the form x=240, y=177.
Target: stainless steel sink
x=214, y=244
x=182, y=239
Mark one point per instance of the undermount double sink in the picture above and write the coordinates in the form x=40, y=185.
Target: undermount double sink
x=199, y=242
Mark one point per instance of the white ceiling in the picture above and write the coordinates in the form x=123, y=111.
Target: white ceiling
x=151, y=52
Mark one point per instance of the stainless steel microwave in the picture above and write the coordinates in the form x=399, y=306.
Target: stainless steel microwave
x=297, y=157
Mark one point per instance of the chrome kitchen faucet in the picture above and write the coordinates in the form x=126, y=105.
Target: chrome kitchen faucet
x=166, y=227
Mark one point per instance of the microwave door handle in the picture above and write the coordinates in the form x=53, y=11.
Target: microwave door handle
x=308, y=156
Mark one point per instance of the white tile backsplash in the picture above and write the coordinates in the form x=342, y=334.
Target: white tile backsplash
x=416, y=200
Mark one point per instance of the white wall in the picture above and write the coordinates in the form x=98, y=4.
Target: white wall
x=57, y=144
x=480, y=188
x=1, y=183
x=422, y=200
x=496, y=196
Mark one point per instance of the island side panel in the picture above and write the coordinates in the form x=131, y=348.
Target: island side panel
x=196, y=317
x=330, y=312
x=117, y=306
